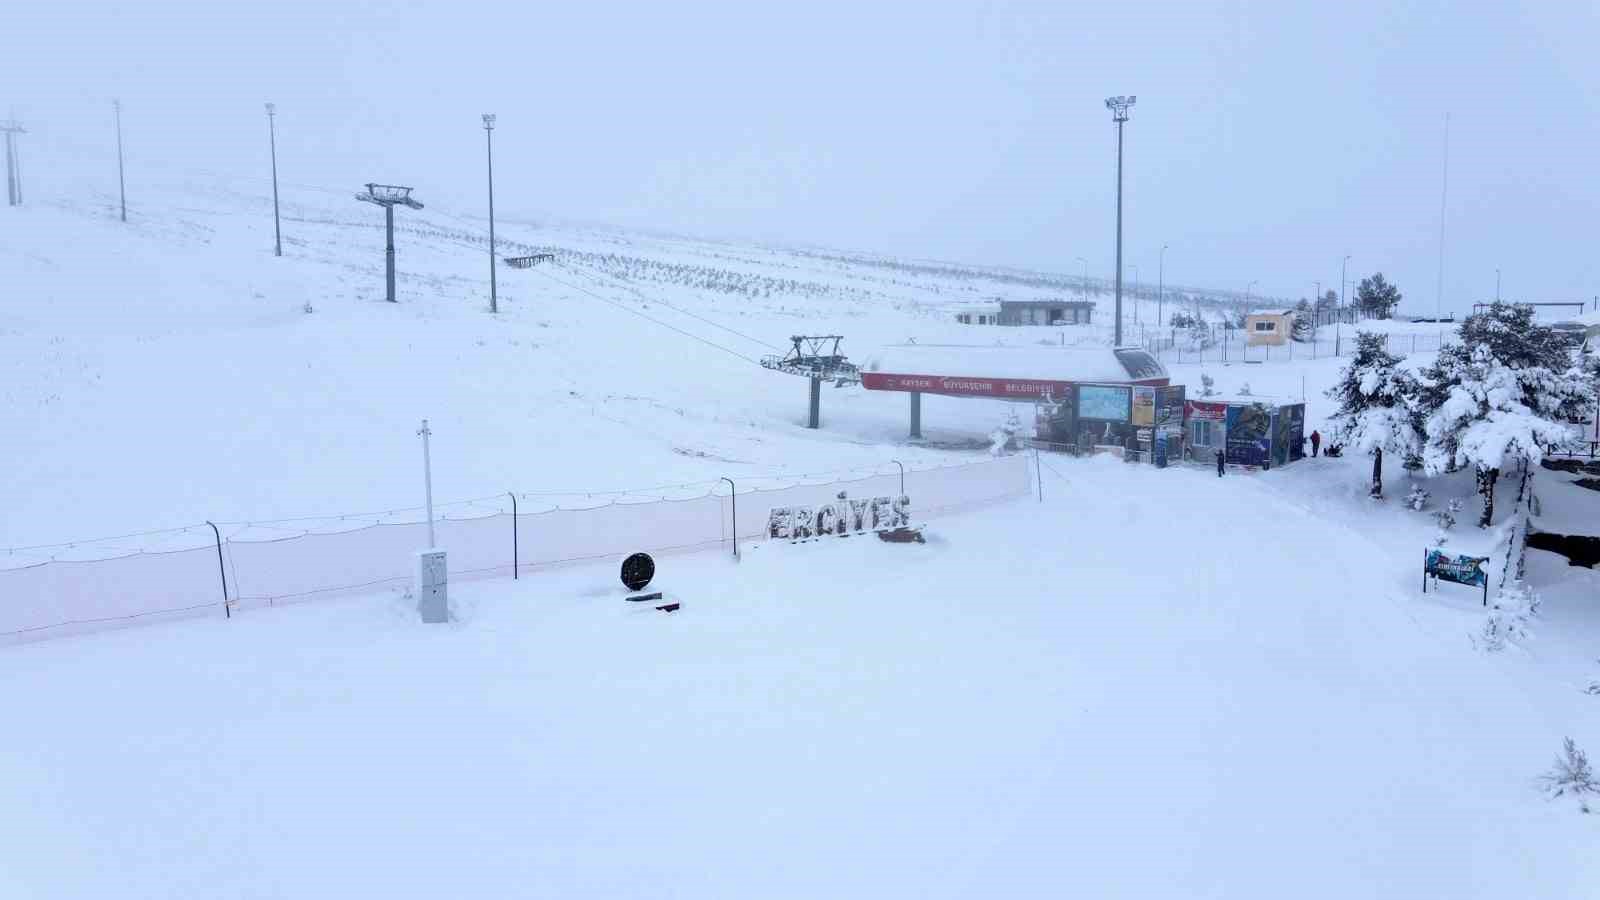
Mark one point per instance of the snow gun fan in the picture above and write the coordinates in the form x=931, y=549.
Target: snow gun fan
x=814, y=357
x=637, y=572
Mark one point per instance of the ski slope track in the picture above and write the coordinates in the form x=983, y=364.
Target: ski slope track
x=1146, y=684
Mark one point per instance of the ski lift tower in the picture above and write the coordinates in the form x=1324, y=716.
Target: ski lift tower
x=389, y=196
x=814, y=357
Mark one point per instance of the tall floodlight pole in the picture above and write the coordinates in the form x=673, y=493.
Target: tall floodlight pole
x=1444, y=193
x=1085, y=281
x=1161, y=283
x=272, y=140
x=1338, y=314
x=1119, y=114
x=389, y=196
x=488, y=134
x=12, y=128
x=122, y=183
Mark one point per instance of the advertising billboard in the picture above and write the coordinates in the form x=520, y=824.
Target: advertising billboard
x=1144, y=405
x=1104, y=402
x=1249, y=434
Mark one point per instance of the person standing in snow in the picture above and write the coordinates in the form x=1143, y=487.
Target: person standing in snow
x=1220, y=463
x=1316, y=441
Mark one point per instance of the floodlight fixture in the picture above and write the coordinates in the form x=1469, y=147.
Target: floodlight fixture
x=389, y=196
x=1119, y=107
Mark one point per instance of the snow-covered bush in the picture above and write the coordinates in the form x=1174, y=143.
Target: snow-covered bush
x=1508, y=617
x=1447, y=517
x=1244, y=389
x=1418, y=498
x=1208, y=385
x=1571, y=775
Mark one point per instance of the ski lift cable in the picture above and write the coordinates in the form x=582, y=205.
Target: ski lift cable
x=754, y=340
x=641, y=315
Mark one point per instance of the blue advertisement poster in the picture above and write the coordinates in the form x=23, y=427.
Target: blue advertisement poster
x=1249, y=434
x=1104, y=402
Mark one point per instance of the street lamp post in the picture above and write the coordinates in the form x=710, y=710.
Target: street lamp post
x=1085, y=282
x=1338, y=316
x=488, y=134
x=272, y=140
x=1316, y=316
x=1119, y=114
x=1135, y=294
x=122, y=184
x=1161, y=283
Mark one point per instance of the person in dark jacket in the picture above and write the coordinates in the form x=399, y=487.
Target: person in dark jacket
x=1316, y=441
x=1220, y=463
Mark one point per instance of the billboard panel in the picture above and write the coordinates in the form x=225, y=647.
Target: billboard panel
x=1144, y=405
x=1104, y=402
x=1249, y=434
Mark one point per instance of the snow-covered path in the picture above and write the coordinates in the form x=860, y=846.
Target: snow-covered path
x=1152, y=684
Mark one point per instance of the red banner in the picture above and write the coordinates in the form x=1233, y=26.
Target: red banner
x=1017, y=388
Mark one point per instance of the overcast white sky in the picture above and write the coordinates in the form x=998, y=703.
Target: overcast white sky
x=1269, y=138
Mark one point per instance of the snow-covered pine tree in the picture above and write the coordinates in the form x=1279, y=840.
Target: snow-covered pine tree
x=1375, y=406
x=1504, y=394
x=1300, y=328
x=1377, y=297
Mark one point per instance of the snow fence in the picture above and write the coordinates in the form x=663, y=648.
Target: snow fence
x=58, y=598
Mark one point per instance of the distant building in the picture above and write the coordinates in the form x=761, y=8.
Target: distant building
x=1046, y=312
x=979, y=315
x=1270, y=329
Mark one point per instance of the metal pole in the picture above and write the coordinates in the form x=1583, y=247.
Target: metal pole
x=1161, y=284
x=388, y=253
x=1085, y=277
x=1444, y=192
x=815, y=419
x=902, y=475
x=1117, y=339
x=221, y=570
x=488, y=134
x=1496, y=286
x=1338, y=312
x=733, y=495
x=11, y=171
x=1038, y=473
x=272, y=138
x=427, y=479
x=515, y=566
x=122, y=184
x=916, y=415
x=1136, y=297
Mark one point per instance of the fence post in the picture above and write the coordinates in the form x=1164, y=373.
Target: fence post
x=733, y=495
x=221, y=570
x=514, y=564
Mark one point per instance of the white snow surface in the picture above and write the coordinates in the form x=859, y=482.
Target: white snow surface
x=1150, y=684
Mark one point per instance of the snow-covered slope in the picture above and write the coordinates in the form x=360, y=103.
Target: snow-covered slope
x=165, y=371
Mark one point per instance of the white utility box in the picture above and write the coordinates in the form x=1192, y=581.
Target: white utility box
x=433, y=582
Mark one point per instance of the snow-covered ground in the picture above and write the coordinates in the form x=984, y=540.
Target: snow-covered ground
x=1098, y=694
x=1151, y=683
